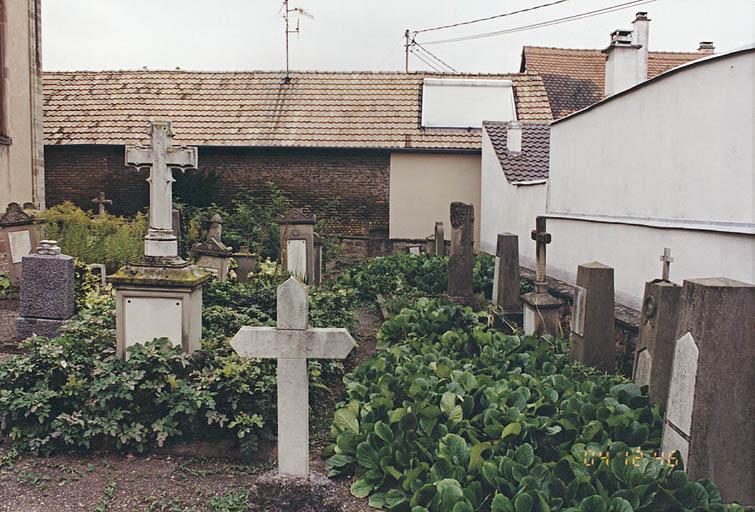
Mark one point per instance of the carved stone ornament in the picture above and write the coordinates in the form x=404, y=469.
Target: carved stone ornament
x=15, y=215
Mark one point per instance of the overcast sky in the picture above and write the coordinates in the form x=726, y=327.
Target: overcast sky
x=356, y=34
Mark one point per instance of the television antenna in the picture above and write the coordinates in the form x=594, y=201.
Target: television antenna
x=287, y=13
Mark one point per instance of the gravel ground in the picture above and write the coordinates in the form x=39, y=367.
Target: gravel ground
x=183, y=478
x=8, y=314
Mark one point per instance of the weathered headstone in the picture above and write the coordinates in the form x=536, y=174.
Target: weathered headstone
x=100, y=201
x=506, y=277
x=47, y=292
x=592, y=340
x=541, y=309
x=298, y=244
x=246, y=263
x=21, y=236
x=414, y=250
x=655, y=346
x=213, y=255
x=318, y=244
x=292, y=342
x=710, y=411
x=99, y=269
x=461, y=259
x=160, y=295
x=439, y=240
x=176, y=222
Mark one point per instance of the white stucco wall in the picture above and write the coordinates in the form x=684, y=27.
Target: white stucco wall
x=672, y=162
x=506, y=207
x=422, y=188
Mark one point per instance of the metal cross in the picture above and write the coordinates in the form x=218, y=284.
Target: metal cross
x=666, y=259
x=292, y=342
x=100, y=201
x=541, y=238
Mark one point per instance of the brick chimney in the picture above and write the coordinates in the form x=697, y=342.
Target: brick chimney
x=627, y=56
x=706, y=47
x=514, y=137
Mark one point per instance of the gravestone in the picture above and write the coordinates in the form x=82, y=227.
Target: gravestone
x=318, y=244
x=297, y=238
x=213, y=255
x=541, y=309
x=430, y=245
x=47, y=292
x=710, y=410
x=161, y=294
x=100, y=201
x=99, y=269
x=506, y=277
x=439, y=240
x=592, y=339
x=414, y=250
x=292, y=342
x=246, y=263
x=21, y=235
x=655, y=345
x=461, y=259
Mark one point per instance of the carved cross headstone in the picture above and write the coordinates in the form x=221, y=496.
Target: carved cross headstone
x=541, y=238
x=667, y=260
x=292, y=342
x=100, y=201
x=161, y=157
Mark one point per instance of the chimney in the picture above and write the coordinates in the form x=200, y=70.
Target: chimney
x=706, y=47
x=627, y=56
x=514, y=137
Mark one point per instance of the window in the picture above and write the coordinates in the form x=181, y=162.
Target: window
x=466, y=103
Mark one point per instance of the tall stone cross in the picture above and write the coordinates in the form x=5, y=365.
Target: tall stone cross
x=292, y=342
x=666, y=259
x=161, y=157
x=541, y=238
x=100, y=201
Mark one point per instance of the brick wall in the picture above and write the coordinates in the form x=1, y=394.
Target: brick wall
x=350, y=186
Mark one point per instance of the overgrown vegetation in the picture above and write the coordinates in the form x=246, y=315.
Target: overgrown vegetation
x=452, y=416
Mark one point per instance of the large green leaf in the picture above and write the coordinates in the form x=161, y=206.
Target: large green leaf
x=346, y=419
x=361, y=488
x=367, y=456
x=592, y=504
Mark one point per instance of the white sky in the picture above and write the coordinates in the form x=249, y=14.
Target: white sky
x=355, y=34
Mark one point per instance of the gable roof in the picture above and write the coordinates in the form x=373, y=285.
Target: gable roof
x=257, y=108
x=532, y=163
x=575, y=78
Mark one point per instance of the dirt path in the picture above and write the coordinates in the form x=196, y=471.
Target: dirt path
x=175, y=482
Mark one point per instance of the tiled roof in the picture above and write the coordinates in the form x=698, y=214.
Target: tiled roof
x=315, y=109
x=575, y=78
x=532, y=162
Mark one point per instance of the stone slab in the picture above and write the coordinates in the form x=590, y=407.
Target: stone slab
x=596, y=346
x=296, y=258
x=682, y=388
x=643, y=367
x=26, y=327
x=541, y=314
x=219, y=266
x=461, y=259
x=47, y=287
x=147, y=318
x=507, y=275
x=672, y=441
x=19, y=245
x=292, y=305
x=578, y=311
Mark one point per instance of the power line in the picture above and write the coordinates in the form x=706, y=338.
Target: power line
x=557, y=21
x=434, y=56
x=425, y=61
x=469, y=22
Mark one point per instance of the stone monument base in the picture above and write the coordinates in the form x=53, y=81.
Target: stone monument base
x=27, y=327
x=541, y=314
x=158, y=298
x=276, y=492
x=507, y=321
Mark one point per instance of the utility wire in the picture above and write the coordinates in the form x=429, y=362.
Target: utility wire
x=434, y=56
x=425, y=61
x=557, y=21
x=490, y=17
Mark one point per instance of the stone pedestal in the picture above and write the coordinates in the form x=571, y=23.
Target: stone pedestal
x=461, y=260
x=246, y=263
x=710, y=410
x=506, y=278
x=47, y=292
x=592, y=339
x=214, y=257
x=540, y=314
x=156, y=299
x=21, y=236
x=655, y=347
x=297, y=238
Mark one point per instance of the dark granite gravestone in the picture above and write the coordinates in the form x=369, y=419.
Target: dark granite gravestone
x=710, y=411
x=592, y=341
x=461, y=260
x=655, y=347
x=506, y=278
x=47, y=291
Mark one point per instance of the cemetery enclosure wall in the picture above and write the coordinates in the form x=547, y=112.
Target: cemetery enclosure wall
x=348, y=187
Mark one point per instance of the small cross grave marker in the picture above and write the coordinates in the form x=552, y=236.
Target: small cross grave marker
x=667, y=260
x=100, y=201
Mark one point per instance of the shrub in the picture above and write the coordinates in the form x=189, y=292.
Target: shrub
x=114, y=241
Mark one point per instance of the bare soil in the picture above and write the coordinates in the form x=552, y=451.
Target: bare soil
x=193, y=477
x=8, y=315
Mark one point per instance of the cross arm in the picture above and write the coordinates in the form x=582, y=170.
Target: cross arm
x=182, y=157
x=138, y=156
x=272, y=343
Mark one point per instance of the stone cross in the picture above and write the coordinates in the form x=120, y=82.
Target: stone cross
x=100, y=201
x=161, y=157
x=292, y=342
x=666, y=259
x=541, y=238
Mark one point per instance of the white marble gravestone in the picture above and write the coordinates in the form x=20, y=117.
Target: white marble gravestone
x=578, y=310
x=296, y=261
x=677, y=426
x=292, y=342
